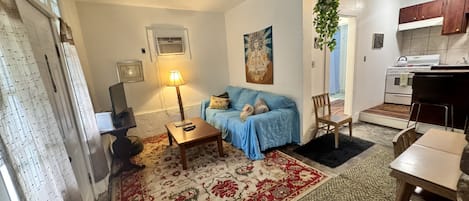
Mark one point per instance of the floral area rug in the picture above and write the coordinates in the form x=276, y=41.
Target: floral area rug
x=210, y=177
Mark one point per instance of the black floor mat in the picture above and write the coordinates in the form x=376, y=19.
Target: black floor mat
x=322, y=149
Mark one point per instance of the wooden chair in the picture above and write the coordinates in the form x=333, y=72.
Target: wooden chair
x=403, y=140
x=322, y=102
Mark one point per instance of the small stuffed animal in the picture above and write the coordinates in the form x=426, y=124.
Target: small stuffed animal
x=247, y=111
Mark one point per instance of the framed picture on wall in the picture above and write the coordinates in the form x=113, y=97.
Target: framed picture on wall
x=378, y=40
x=258, y=56
x=130, y=71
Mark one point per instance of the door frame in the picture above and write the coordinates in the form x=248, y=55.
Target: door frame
x=350, y=64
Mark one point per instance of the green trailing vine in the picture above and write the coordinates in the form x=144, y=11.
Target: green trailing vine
x=326, y=22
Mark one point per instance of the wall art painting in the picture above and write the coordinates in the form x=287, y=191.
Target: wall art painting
x=258, y=57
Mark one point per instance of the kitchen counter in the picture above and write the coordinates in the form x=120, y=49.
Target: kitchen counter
x=451, y=67
x=443, y=71
x=442, y=87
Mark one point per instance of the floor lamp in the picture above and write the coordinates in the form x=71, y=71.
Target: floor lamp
x=175, y=80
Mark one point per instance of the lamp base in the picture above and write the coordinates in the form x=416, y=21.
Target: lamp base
x=181, y=108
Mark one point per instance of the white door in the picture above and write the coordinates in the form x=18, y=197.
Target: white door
x=41, y=36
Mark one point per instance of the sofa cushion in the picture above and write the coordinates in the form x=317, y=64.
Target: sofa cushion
x=234, y=93
x=247, y=96
x=275, y=101
x=212, y=113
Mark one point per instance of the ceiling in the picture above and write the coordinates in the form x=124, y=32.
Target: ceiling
x=201, y=5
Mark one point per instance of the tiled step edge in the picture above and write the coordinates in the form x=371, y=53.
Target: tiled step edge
x=397, y=123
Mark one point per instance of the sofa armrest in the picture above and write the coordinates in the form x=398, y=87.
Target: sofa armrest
x=203, y=107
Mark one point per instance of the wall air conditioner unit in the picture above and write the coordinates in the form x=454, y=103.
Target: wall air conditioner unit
x=170, y=45
x=170, y=40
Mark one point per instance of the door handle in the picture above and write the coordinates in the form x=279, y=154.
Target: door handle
x=401, y=95
x=50, y=74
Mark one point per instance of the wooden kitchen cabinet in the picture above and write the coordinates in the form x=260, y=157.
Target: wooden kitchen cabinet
x=467, y=6
x=431, y=9
x=454, y=20
x=408, y=14
x=422, y=11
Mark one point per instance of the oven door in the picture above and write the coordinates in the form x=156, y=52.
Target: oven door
x=403, y=99
x=393, y=84
x=397, y=94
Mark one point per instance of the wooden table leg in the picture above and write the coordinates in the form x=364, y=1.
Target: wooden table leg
x=336, y=136
x=350, y=129
x=183, y=156
x=404, y=190
x=170, y=139
x=220, y=146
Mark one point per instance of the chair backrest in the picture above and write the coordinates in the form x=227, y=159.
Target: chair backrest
x=322, y=102
x=403, y=140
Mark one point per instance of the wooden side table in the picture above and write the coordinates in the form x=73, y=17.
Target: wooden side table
x=203, y=133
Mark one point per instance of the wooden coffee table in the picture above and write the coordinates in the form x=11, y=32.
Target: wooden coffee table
x=202, y=133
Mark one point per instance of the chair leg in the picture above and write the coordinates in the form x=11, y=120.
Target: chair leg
x=411, y=111
x=465, y=124
x=350, y=129
x=417, y=117
x=328, y=129
x=336, y=136
x=452, y=117
x=315, y=134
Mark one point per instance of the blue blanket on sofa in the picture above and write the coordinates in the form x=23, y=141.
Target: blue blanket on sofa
x=260, y=132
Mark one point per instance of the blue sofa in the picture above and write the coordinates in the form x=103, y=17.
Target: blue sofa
x=279, y=126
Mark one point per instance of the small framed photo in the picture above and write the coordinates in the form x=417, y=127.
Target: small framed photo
x=130, y=71
x=378, y=39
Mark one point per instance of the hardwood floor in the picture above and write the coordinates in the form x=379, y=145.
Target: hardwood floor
x=337, y=107
x=391, y=110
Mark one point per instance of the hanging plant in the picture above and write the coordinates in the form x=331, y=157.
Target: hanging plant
x=326, y=22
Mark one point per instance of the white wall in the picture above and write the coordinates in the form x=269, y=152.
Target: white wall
x=289, y=59
x=113, y=33
x=285, y=17
x=308, y=76
x=375, y=17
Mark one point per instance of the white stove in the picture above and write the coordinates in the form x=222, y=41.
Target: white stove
x=399, y=79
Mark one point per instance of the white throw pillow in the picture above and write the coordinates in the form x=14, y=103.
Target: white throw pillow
x=260, y=106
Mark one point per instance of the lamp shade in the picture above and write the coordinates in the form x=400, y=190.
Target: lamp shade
x=175, y=79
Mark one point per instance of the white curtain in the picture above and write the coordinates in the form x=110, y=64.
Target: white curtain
x=87, y=119
x=29, y=132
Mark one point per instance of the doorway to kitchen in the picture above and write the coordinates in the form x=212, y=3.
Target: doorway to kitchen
x=341, y=66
